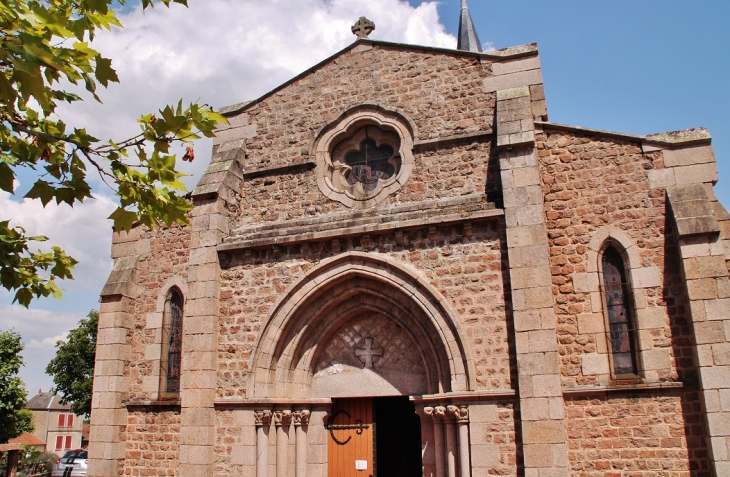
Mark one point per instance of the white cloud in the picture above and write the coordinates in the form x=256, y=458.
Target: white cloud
x=218, y=52
x=82, y=231
x=222, y=52
x=46, y=342
x=40, y=329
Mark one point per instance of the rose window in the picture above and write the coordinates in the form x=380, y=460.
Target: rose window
x=364, y=157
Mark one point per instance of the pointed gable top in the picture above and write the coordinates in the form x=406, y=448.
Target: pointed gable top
x=468, y=38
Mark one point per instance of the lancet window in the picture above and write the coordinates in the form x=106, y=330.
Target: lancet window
x=619, y=313
x=171, y=345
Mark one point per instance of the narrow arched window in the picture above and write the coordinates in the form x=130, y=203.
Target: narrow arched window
x=171, y=345
x=621, y=328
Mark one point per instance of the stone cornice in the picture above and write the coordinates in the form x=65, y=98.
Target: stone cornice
x=156, y=406
x=577, y=391
x=459, y=397
x=473, y=208
x=269, y=403
x=668, y=140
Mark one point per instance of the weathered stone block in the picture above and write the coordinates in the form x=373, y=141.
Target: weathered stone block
x=546, y=386
x=486, y=457
x=531, y=364
x=585, y=282
x=717, y=377
x=646, y=277
x=688, y=156
x=705, y=267
x=719, y=423
x=651, y=318
x=506, y=67
x=594, y=364
x=526, y=176
x=544, y=432
x=512, y=80
x=717, y=310
x=538, y=455
x=696, y=173
x=590, y=323
x=721, y=354
x=532, y=277
x=527, y=320
x=661, y=178
x=702, y=289
x=710, y=332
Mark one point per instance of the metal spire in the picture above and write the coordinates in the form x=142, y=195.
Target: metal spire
x=468, y=38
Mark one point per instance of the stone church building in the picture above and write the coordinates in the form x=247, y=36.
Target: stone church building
x=398, y=266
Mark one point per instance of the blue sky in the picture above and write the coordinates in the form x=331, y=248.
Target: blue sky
x=636, y=67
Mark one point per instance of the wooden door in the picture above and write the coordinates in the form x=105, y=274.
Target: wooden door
x=350, y=438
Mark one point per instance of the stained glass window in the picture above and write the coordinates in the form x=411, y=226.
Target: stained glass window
x=172, y=340
x=620, y=321
x=369, y=164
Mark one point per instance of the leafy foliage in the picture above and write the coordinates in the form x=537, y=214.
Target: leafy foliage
x=73, y=367
x=44, y=45
x=14, y=418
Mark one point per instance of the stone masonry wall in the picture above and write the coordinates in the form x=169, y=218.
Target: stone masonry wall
x=593, y=183
x=153, y=443
x=450, y=171
x=235, y=444
x=492, y=439
x=636, y=435
x=468, y=271
x=168, y=257
x=442, y=95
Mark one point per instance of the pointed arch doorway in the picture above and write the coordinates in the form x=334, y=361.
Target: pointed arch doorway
x=366, y=334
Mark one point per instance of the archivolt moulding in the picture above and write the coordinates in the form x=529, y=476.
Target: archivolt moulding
x=330, y=294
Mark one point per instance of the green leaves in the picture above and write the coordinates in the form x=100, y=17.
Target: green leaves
x=14, y=419
x=44, y=47
x=73, y=366
x=30, y=274
x=104, y=72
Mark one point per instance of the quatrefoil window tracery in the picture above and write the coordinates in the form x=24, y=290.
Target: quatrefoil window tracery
x=370, y=164
x=367, y=160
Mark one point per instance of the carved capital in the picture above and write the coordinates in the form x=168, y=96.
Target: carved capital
x=301, y=418
x=429, y=411
x=461, y=413
x=282, y=418
x=263, y=418
x=439, y=413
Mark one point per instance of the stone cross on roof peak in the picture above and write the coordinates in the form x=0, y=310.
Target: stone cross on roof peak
x=363, y=28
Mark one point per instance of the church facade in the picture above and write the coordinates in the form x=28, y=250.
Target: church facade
x=397, y=265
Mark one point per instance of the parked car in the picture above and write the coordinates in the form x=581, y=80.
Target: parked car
x=72, y=464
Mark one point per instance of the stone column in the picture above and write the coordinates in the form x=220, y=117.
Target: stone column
x=282, y=420
x=544, y=438
x=301, y=421
x=708, y=292
x=461, y=414
x=263, y=424
x=451, y=459
x=437, y=414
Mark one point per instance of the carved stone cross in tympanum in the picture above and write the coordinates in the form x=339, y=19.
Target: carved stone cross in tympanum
x=366, y=354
